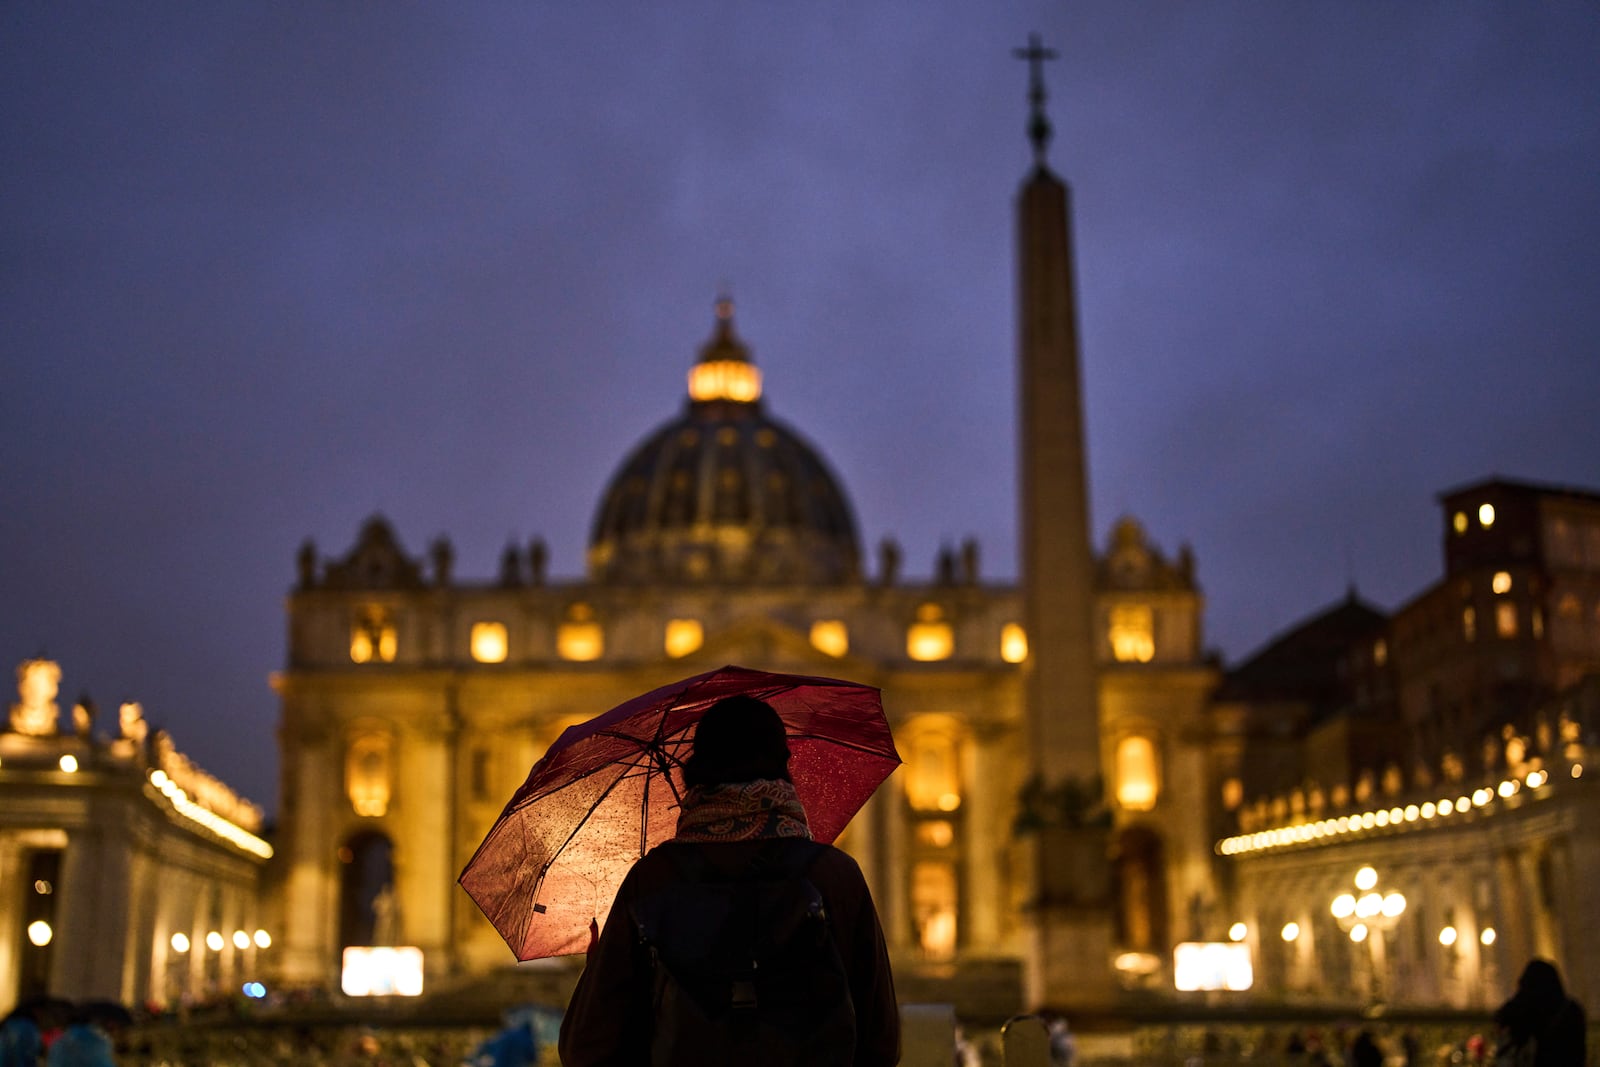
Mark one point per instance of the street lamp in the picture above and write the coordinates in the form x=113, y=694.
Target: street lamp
x=1366, y=918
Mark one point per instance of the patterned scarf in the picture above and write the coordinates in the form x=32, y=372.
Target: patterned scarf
x=742, y=811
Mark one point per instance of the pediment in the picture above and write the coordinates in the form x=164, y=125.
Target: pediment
x=376, y=562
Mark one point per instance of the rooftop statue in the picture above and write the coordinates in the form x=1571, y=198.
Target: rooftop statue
x=37, y=683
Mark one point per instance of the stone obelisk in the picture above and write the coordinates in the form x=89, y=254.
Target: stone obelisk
x=1070, y=910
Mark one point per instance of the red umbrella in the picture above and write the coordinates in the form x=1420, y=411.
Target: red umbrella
x=607, y=792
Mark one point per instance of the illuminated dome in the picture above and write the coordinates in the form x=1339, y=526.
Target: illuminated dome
x=723, y=493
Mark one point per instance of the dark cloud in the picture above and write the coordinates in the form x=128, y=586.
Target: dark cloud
x=266, y=269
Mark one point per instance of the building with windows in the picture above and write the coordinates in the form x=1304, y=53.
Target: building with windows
x=126, y=873
x=1426, y=821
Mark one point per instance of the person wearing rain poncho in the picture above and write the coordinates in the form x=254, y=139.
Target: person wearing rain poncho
x=738, y=813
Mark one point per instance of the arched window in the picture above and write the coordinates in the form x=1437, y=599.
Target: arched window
x=683, y=636
x=489, y=641
x=929, y=638
x=1013, y=643
x=1132, y=633
x=369, y=772
x=931, y=749
x=373, y=638
x=579, y=637
x=1138, y=773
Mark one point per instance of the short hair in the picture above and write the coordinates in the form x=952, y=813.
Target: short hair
x=738, y=739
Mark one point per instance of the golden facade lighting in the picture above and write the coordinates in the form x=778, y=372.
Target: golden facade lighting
x=489, y=642
x=830, y=637
x=683, y=636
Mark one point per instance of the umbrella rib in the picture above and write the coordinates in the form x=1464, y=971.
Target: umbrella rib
x=633, y=769
x=555, y=853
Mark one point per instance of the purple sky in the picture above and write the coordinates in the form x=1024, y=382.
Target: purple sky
x=268, y=268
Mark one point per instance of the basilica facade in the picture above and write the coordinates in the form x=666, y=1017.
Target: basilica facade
x=415, y=702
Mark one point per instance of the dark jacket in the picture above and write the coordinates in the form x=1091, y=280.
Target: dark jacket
x=608, y=1022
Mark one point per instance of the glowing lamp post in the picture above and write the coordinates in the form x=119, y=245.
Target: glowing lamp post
x=1366, y=916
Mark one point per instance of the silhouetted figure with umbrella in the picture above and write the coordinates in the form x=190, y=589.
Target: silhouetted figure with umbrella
x=740, y=880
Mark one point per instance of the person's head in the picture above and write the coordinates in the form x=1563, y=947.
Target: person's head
x=1541, y=980
x=739, y=739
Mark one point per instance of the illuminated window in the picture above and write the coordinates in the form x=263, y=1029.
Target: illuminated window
x=579, y=637
x=930, y=637
x=936, y=833
x=1133, y=634
x=1469, y=624
x=372, y=636
x=1013, y=643
x=368, y=774
x=1501, y=582
x=1459, y=522
x=1137, y=783
x=932, y=767
x=1486, y=515
x=1232, y=794
x=830, y=637
x=1536, y=623
x=489, y=642
x=1505, y=619
x=933, y=908
x=725, y=379
x=1380, y=652
x=683, y=636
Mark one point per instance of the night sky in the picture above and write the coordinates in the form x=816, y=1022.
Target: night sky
x=268, y=268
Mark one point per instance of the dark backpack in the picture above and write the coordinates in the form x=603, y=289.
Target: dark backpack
x=746, y=970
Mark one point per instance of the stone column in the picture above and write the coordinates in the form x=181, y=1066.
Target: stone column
x=894, y=908
x=11, y=933
x=309, y=955
x=425, y=873
x=987, y=841
x=1514, y=914
x=143, y=889
x=1578, y=872
x=92, y=931
x=866, y=845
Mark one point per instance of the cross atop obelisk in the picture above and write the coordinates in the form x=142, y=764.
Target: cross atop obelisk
x=1038, y=123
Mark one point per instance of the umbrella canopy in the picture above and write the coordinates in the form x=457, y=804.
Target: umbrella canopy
x=607, y=792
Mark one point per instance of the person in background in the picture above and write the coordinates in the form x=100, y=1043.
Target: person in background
x=21, y=1044
x=1365, y=1051
x=1540, y=1026
x=82, y=1044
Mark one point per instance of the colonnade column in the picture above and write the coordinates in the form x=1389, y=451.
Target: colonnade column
x=91, y=931
x=310, y=898
x=11, y=932
x=425, y=872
